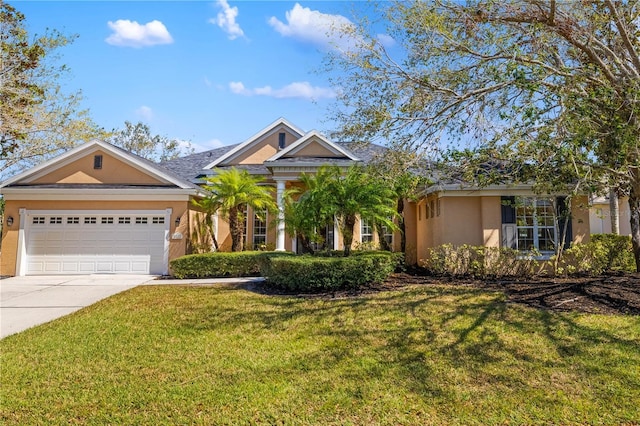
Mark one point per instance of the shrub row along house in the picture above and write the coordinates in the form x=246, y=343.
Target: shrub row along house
x=100, y=209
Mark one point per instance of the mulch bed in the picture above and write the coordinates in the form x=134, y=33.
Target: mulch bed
x=615, y=294
x=607, y=294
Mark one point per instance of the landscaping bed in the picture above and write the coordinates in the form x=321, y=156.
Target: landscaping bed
x=615, y=293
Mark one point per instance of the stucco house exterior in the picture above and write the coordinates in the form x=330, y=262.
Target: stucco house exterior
x=100, y=209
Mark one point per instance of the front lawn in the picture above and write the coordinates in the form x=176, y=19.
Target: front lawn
x=418, y=355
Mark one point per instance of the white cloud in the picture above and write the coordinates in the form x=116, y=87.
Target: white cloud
x=226, y=20
x=312, y=26
x=299, y=90
x=132, y=34
x=145, y=113
x=322, y=29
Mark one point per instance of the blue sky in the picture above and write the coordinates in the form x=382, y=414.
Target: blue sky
x=210, y=72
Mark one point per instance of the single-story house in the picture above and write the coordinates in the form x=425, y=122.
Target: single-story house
x=100, y=209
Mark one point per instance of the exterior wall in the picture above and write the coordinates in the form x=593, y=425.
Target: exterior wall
x=491, y=217
x=461, y=221
x=600, y=217
x=315, y=150
x=8, y=257
x=113, y=171
x=259, y=153
x=411, y=232
x=580, y=220
x=473, y=220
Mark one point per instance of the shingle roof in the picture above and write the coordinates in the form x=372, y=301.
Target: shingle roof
x=191, y=167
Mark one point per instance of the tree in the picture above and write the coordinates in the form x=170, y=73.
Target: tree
x=505, y=78
x=403, y=172
x=137, y=138
x=232, y=190
x=332, y=196
x=37, y=118
x=206, y=226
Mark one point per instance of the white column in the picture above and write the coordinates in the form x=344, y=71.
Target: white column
x=21, y=258
x=280, y=227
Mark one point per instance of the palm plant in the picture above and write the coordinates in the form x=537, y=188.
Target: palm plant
x=330, y=195
x=232, y=190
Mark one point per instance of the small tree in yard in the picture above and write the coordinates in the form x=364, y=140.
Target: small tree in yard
x=232, y=191
x=344, y=198
x=516, y=77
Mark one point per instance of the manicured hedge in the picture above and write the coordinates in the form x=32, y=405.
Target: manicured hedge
x=310, y=274
x=220, y=264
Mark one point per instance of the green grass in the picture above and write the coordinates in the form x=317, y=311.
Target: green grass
x=223, y=355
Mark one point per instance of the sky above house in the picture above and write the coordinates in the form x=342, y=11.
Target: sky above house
x=209, y=72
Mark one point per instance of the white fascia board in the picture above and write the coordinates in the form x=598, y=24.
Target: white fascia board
x=306, y=139
x=63, y=194
x=458, y=190
x=267, y=131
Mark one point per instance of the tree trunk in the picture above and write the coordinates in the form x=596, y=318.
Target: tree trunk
x=347, y=238
x=235, y=228
x=401, y=225
x=384, y=245
x=634, y=209
x=614, y=211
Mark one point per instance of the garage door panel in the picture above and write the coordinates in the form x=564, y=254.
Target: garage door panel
x=76, y=243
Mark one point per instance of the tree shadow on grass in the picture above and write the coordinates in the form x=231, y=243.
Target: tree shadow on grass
x=426, y=340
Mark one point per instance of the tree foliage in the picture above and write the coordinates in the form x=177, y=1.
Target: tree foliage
x=137, y=138
x=548, y=90
x=329, y=195
x=232, y=191
x=38, y=119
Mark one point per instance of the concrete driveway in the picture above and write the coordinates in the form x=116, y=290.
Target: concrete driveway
x=29, y=301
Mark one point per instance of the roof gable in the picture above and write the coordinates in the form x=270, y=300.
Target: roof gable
x=258, y=147
x=315, y=145
x=77, y=167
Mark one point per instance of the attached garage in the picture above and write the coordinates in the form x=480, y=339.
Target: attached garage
x=95, y=209
x=90, y=242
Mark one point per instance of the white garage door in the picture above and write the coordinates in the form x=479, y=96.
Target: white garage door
x=91, y=243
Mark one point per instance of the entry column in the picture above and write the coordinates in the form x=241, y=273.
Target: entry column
x=280, y=227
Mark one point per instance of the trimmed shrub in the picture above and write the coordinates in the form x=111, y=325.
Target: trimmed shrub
x=604, y=253
x=311, y=274
x=479, y=262
x=220, y=264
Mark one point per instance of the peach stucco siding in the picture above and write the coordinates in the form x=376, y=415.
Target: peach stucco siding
x=113, y=171
x=315, y=149
x=473, y=220
x=260, y=152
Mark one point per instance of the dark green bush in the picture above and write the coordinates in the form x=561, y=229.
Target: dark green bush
x=220, y=264
x=310, y=274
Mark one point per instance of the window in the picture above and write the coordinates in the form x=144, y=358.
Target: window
x=438, y=207
x=55, y=220
x=281, y=140
x=366, y=230
x=124, y=220
x=157, y=220
x=38, y=221
x=535, y=221
x=89, y=220
x=432, y=208
x=106, y=220
x=73, y=220
x=259, y=228
x=97, y=162
x=141, y=220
